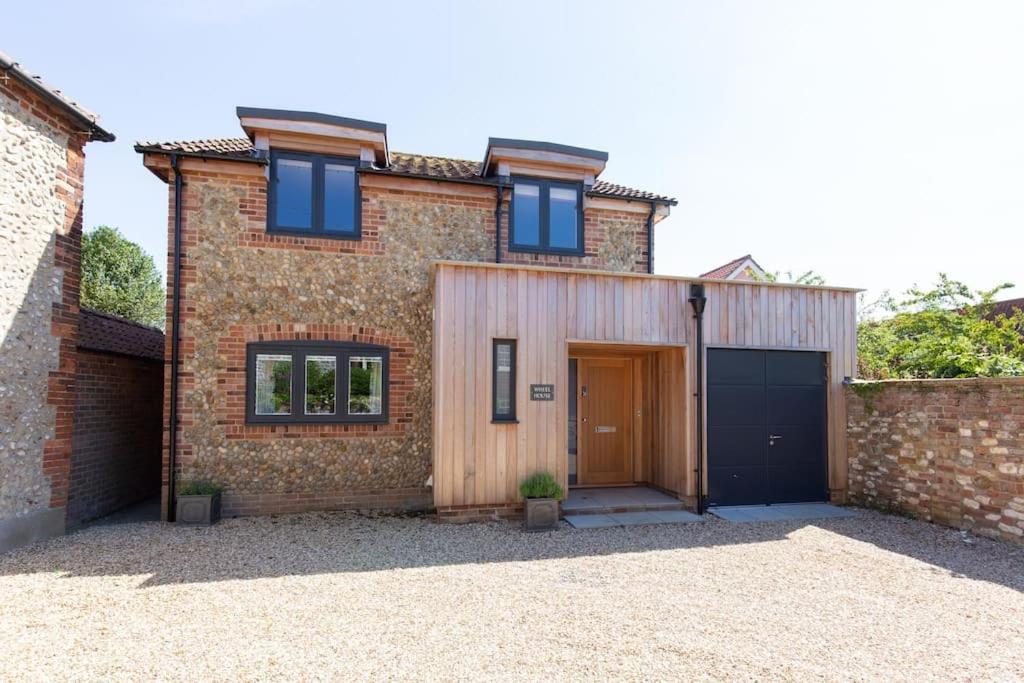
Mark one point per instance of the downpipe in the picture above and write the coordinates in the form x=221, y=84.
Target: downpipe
x=172, y=418
x=698, y=301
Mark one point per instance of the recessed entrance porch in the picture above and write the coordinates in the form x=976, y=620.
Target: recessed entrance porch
x=627, y=427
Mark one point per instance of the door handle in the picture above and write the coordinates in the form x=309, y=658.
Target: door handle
x=774, y=436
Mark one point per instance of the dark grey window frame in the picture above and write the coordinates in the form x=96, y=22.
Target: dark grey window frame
x=544, y=234
x=317, y=228
x=495, y=417
x=298, y=350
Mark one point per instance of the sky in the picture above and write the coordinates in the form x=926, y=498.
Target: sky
x=876, y=143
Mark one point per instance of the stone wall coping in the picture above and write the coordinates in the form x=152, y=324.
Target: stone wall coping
x=942, y=381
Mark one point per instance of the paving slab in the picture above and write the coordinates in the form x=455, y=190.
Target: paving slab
x=788, y=512
x=616, y=519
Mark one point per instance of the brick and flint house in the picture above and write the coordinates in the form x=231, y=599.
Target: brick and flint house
x=43, y=134
x=355, y=327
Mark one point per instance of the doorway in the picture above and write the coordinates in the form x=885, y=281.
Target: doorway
x=604, y=412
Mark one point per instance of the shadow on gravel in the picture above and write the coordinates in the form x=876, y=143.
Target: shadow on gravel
x=296, y=545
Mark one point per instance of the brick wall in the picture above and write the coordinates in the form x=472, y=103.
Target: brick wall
x=116, y=444
x=241, y=284
x=947, y=451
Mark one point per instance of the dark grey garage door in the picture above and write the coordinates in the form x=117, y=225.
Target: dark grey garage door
x=766, y=427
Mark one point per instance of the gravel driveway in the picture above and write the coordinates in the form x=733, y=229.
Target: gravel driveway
x=351, y=597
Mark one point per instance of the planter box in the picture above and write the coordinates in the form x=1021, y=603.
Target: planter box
x=541, y=514
x=198, y=510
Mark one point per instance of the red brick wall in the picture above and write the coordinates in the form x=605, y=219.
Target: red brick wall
x=947, y=451
x=116, y=444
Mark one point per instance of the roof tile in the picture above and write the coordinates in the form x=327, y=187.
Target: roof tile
x=417, y=165
x=99, y=331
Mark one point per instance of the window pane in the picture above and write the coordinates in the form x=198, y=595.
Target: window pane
x=526, y=214
x=563, y=217
x=321, y=372
x=273, y=384
x=365, y=385
x=294, y=196
x=339, y=198
x=503, y=379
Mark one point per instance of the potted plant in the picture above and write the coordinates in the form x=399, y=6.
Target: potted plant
x=198, y=503
x=542, y=494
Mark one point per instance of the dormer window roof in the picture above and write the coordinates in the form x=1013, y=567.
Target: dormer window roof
x=507, y=157
x=316, y=132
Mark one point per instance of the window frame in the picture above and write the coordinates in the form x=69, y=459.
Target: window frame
x=299, y=350
x=495, y=417
x=544, y=232
x=316, y=228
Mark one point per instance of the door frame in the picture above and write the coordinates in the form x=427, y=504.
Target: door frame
x=583, y=435
x=830, y=404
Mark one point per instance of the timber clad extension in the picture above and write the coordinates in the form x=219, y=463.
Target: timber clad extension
x=453, y=279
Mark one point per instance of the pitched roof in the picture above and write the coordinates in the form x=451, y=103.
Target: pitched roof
x=725, y=270
x=403, y=164
x=56, y=97
x=1007, y=307
x=99, y=331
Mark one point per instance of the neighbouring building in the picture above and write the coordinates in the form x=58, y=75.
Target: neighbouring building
x=742, y=268
x=43, y=134
x=354, y=327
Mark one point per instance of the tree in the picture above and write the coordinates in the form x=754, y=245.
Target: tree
x=119, y=277
x=808, y=278
x=947, y=331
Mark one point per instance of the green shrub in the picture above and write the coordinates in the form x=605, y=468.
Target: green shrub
x=198, y=488
x=541, y=485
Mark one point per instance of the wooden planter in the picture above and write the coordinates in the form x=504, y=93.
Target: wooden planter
x=541, y=514
x=198, y=510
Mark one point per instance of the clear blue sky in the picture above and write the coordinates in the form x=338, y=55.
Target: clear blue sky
x=875, y=142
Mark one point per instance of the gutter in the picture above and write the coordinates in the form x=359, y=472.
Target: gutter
x=650, y=238
x=698, y=302
x=172, y=418
x=69, y=108
x=497, y=222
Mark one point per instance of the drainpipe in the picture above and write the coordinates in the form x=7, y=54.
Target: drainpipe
x=650, y=238
x=698, y=301
x=497, y=223
x=172, y=418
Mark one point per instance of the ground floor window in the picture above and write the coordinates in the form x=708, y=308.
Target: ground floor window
x=504, y=381
x=301, y=382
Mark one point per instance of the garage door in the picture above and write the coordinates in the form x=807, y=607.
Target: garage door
x=766, y=427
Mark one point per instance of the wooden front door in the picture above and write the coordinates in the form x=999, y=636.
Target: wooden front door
x=605, y=434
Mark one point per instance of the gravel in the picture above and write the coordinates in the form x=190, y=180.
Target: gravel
x=345, y=596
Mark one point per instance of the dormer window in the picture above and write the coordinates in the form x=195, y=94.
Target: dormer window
x=546, y=217
x=313, y=194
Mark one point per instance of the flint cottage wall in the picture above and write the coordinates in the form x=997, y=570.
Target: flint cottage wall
x=947, y=451
x=41, y=180
x=241, y=284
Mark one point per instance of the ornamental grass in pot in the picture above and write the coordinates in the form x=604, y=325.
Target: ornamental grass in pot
x=198, y=503
x=541, y=493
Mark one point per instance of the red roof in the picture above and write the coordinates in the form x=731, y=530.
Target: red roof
x=100, y=331
x=723, y=272
x=414, y=165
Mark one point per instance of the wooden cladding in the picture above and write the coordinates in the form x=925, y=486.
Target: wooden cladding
x=479, y=463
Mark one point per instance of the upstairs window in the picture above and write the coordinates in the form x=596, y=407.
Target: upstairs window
x=313, y=194
x=308, y=382
x=547, y=217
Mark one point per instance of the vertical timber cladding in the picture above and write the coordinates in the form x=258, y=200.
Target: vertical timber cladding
x=480, y=463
